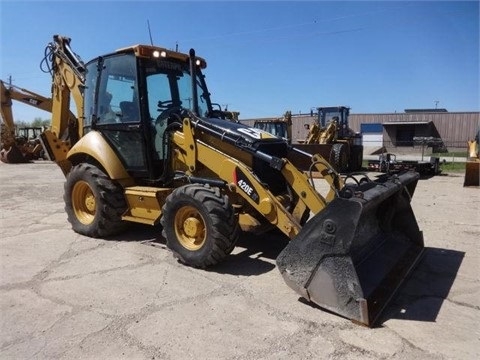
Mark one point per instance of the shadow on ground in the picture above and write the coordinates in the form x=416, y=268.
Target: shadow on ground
x=422, y=295
x=253, y=254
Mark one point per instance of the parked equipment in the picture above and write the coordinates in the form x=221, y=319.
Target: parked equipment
x=331, y=137
x=388, y=163
x=145, y=148
x=224, y=114
x=472, y=166
x=281, y=127
x=20, y=144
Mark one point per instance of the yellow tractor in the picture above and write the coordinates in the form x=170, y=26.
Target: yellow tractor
x=332, y=137
x=472, y=166
x=281, y=127
x=20, y=144
x=147, y=147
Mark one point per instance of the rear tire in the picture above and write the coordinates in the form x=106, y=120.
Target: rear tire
x=199, y=225
x=356, y=158
x=339, y=157
x=93, y=202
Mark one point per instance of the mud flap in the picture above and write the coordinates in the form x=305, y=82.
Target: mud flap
x=352, y=257
x=12, y=156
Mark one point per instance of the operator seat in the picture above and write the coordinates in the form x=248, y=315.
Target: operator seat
x=129, y=111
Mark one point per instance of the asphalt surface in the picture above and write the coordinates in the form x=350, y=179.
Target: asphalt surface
x=66, y=296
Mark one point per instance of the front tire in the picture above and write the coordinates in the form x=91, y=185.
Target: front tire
x=93, y=202
x=199, y=225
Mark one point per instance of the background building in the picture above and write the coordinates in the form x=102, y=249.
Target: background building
x=398, y=130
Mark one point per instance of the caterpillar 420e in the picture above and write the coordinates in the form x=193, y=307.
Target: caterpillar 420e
x=147, y=147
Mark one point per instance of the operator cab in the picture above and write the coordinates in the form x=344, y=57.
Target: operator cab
x=339, y=113
x=131, y=97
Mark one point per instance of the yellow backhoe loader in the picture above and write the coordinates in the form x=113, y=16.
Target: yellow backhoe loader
x=146, y=147
x=20, y=145
x=281, y=127
x=472, y=165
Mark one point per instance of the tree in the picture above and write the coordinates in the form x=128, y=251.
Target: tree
x=38, y=122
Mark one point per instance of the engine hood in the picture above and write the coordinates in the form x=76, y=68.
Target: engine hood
x=238, y=132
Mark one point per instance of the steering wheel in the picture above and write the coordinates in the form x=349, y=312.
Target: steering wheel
x=162, y=105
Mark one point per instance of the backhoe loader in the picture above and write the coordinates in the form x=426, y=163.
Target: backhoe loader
x=20, y=145
x=147, y=147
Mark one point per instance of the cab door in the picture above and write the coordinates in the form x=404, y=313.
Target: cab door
x=113, y=108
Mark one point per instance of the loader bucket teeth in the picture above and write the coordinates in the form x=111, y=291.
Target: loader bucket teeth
x=12, y=156
x=352, y=257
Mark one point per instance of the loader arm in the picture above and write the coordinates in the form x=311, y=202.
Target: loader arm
x=240, y=178
x=356, y=250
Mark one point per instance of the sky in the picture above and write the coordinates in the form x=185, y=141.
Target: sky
x=267, y=57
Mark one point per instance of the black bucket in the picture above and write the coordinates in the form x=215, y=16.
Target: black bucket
x=352, y=257
x=12, y=156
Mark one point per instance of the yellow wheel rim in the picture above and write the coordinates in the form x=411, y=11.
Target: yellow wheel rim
x=83, y=202
x=190, y=228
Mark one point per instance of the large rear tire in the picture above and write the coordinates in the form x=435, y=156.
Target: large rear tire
x=339, y=157
x=356, y=158
x=199, y=225
x=93, y=202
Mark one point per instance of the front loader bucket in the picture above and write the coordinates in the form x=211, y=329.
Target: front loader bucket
x=352, y=257
x=12, y=156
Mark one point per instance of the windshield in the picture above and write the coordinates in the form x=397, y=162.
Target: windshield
x=274, y=128
x=328, y=116
x=169, y=86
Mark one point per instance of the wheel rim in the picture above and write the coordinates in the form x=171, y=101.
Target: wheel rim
x=190, y=228
x=83, y=202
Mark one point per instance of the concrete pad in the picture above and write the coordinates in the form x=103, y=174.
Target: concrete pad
x=56, y=341
x=454, y=333
x=109, y=344
x=128, y=290
x=25, y=314
x=93, y=261
x=223, y=328
x=66, y=296
x=24, y=257
x=383, y=343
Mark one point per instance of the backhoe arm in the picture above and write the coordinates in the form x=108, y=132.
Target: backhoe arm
x=27, y=97
x=8, y=126
x=68, y=79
